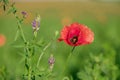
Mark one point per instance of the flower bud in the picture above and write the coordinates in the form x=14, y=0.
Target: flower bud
x=36, y=23
x=51, y=61
x=24, y=14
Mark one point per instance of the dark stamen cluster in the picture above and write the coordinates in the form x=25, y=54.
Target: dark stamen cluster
x=74, y=39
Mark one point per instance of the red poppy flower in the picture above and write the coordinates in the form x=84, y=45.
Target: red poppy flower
x=76, y=34
x=2, y=40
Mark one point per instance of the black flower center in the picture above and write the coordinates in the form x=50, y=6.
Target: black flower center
x=74, y=39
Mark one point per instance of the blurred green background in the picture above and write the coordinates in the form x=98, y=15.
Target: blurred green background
x=102, y=17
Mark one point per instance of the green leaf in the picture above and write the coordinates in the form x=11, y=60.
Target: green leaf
x=17, y=45
x=12, y=10
x=40, y=43
x=6, y=1
x=66, y=78
x=17, y=34
x=27, y=66
x=84, y=75
x=33, y=77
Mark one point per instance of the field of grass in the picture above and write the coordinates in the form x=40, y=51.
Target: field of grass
x=102, y=18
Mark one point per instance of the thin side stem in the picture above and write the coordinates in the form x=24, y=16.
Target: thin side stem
x=42, y=53
x=19, y=27
x=70, y=54
x=22, y=34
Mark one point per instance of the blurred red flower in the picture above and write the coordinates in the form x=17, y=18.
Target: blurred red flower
x=76, y=34
x=2, y=40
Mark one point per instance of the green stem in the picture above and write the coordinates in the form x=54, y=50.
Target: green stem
x=28, y=62
x=20, y=28
x=29, y=57
x=29, y=73
x=35, y=35
x=21, y=31
x=26, y=47
x=68, y=59
x=40, y=57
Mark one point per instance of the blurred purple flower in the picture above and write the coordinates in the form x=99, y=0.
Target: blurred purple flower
x=24, y=14
x=51, y=62
x=36, y=23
